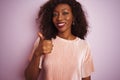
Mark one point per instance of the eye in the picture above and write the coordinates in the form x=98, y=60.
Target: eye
x=55, y=14
x=65, y=13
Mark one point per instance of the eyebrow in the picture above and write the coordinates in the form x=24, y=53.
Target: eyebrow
x=63, y=10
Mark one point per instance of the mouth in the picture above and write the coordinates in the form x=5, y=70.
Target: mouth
x=61, y=24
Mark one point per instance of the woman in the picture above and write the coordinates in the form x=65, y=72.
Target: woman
x=61, y=52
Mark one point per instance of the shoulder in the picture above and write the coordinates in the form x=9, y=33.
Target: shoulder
x=36, y=42
x=84, y=43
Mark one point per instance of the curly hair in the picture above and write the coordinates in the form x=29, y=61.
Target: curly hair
x=47, y=27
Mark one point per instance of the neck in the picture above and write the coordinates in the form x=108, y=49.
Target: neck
x=68, y=36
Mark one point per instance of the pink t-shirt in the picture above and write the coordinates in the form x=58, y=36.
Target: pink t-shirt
x=69, y=60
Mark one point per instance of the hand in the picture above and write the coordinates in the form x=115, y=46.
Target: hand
x=45, y=45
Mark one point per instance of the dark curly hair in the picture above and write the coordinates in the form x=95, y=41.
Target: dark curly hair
x=47, y=27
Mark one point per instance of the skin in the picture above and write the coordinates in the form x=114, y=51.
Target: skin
x=62, y=19
x=45, y=47
x=63, y=15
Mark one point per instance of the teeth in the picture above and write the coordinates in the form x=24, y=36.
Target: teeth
x=61, y=24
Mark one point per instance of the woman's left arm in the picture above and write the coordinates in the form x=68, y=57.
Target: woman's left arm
x=86, y=78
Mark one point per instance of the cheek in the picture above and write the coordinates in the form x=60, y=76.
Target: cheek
x=69, y=19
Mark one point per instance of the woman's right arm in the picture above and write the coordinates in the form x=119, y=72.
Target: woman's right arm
x=44, y=46
x=32, y=71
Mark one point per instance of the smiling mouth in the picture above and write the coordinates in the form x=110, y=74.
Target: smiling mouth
x=60, y=25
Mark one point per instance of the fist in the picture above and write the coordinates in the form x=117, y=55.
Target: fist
x=45, y=45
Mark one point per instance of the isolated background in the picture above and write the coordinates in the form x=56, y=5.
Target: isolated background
x=18, y=31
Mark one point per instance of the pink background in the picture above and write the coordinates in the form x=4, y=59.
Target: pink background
x=18, y=32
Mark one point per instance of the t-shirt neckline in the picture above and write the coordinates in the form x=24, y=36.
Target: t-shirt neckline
x=66, y=40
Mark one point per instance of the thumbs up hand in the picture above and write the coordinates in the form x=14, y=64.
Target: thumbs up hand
x=45, y=46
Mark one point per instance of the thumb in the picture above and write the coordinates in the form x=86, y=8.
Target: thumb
x=41, y=36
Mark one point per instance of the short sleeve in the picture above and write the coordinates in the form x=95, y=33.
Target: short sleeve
x=34, y=47
x=87, y=65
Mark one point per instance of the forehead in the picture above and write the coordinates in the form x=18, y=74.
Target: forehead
x=62, y=7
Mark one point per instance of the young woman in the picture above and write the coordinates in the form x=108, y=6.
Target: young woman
x=61, y=51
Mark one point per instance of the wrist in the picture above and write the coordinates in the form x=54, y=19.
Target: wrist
x=38, y=52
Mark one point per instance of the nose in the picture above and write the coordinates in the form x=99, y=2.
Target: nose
x=60, y=17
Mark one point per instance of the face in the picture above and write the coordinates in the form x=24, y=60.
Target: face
x=63, y=18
